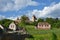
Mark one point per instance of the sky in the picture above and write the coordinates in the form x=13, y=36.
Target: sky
x=11, y=9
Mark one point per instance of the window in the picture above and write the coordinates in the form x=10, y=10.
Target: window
x=42, y=25
x=47, y=25
x=12, y=26
x=39, y=25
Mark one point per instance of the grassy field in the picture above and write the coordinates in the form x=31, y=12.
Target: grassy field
x=37, y=34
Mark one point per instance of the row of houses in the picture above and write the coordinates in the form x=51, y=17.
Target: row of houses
x=40, y=25
x=12, y=28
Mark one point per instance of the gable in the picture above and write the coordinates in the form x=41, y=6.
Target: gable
x=12, y=26
x=1, y=27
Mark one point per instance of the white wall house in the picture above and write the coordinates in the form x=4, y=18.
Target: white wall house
x=1, y=27
x=12, y=26
x=43, y=25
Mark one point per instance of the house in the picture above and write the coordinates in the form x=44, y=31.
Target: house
x=1, y=30
x=12, y=26
x=1, y=27
x=43, y=25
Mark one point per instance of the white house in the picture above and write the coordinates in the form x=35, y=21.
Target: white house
x=1, y=27
x=12, y=26
x=43, y=25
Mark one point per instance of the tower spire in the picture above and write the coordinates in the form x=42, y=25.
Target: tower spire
x=34, y=18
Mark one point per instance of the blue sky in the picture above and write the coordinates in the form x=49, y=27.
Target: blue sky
x=12, y=9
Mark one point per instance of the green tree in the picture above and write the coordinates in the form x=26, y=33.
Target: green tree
x=51, y=21
x=40, y=20
x=55, y=22
x=57, y=25
x=5, y=22
x=24, y=19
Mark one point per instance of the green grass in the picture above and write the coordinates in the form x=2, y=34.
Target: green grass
x=42, y=34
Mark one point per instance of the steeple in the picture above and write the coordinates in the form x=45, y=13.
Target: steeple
x=18, y=18
x=34, y=18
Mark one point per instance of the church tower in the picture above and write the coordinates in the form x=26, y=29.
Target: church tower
x=34, y=18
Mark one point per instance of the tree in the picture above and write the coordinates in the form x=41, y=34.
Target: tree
x=24, y=19
x=50, y=20
x=57, y=25
x=40, y=20
x=55, y=22
x=5, y=22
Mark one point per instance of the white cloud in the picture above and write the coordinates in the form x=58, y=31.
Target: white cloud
x=9, y=5
x=14, y=18
x=2, y=17
x=11, y=18
x=50, y=11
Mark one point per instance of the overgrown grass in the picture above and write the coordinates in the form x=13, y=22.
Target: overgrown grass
x=42, y=34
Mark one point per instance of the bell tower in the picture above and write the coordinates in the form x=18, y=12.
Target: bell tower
x=34, y=18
